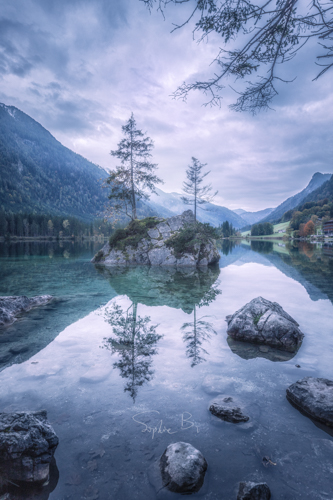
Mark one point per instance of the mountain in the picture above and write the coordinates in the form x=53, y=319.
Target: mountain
x=317, y=180
x=253, y=217
x=324, y=191
x=38, y=174
x=214, y=214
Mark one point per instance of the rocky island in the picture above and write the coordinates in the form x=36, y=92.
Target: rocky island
x=177, y=241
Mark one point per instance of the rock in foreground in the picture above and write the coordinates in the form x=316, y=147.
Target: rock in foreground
x=314, y=396
x=227, y=409
x=11, y=306
x=253, y=491
x=27, y=445
x=264, y=322
x=183, y=468
x=150, y=241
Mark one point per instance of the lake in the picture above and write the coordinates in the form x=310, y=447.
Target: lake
x=126, y=361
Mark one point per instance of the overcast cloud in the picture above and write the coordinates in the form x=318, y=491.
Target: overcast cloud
x=80, y=67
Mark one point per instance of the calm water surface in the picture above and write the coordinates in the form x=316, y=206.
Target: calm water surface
x=126, y=361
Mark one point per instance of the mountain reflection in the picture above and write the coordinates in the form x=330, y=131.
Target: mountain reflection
x=135, y=343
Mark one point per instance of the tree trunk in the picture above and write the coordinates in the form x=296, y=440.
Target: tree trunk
x=134, y=216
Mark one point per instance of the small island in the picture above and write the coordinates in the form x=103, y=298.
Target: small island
x=177, y=241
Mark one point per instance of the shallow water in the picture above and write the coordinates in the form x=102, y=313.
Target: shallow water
x=117, y=399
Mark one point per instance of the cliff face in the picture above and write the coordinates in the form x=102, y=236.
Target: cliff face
x=154, y=249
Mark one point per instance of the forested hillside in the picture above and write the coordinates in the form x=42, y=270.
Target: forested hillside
x=38, y=174
x=324, y=191
x=316, y=182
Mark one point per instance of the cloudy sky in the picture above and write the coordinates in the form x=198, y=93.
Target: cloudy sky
x=80, y=67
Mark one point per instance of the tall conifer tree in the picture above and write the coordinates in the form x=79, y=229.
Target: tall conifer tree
x=193, y=186
x=135, y=177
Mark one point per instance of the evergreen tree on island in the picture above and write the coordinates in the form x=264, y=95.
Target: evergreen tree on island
x=198, y=194
x=135, y=177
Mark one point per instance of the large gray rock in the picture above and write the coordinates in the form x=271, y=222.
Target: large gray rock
x=226, y=408
x=183, y=468
x=264, y=322
x=153, y=251
x=12, y=306
x=27, y=445
x=253, y=491
x=314, y=396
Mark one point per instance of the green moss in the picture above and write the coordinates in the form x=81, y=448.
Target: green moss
x=98, y=256
x=132, y=234
x=257, y=318
x=190, y=238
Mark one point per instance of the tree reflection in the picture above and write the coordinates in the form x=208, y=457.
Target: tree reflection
x=199, y=331
x=135, y=343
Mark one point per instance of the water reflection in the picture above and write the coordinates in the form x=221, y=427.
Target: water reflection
x=195, y=333
x=135, y=343
x=155, y=286
x=246, y=350
x=262, y=246
x=11, y=491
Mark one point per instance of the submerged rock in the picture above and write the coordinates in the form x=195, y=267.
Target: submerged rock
x=264, y=322
x=183, y=468
x=151, y=248
x=27, y=446
x=253, y=491
x=11, y=306
x=225, y=408
x=314, y=396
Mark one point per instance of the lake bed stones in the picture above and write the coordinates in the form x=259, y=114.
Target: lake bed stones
x=253, y=491
x=226, y=408
x=27, y=446
x=11, y=306
x=264, y=322
x=183, y=468
x=313, y=396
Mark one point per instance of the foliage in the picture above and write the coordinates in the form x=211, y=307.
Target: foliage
x=262, y=229
x=191, y=237
x=135, y=176
x=321, y=209
x=198, y=194
x=268, y=34
x=132, y=234
x=46, y=225
x=307, y=229
x=226, y=229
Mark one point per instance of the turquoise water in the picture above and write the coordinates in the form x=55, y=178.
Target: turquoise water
x=118, y=394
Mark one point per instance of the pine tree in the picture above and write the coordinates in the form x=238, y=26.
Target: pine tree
x=198, y=194
x=134, y=178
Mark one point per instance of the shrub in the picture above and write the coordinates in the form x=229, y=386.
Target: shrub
x=190, y=237
x=132, y=234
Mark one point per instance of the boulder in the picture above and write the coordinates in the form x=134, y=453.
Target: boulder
x=225, y=408
x=152, y=249
x=11, y=306
x=253, y=491
x=264, y=322
x=183, y=468
x=313, y=396
x=27, y=446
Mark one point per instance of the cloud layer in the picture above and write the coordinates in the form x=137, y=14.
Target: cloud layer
x=80, y=67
